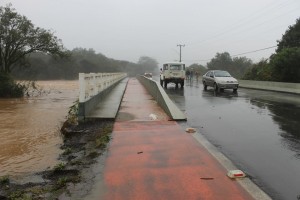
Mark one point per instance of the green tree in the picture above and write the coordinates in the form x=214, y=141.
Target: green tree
x=240, y=65
x=260, y=71
x=285, y=65
x=19, y=38
x=221, y=61
x=291, y=38
x=9, y=88
x=148, y=64
x=235, y=66
x=197, y=68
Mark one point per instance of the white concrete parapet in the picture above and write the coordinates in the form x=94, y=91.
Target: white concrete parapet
x=272, y=86
x=93, y=83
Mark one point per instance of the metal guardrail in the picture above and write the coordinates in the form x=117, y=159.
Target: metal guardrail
x=93, y=83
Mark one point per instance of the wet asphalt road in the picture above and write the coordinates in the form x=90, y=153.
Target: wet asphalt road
x=258, y=130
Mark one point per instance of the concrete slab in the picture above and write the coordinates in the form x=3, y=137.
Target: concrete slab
x=109, y=106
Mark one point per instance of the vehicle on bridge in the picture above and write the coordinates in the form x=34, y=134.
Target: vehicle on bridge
x=219, y=80
x=172, y=72
x=148, y=75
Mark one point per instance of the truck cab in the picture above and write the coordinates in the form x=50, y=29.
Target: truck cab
x=172, y=72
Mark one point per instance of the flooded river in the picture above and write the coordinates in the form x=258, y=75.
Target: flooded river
x=29, y=128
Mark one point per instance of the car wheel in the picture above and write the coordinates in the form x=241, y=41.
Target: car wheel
x=165, y=83
x=216, y=88
x=204, y=86
x=182, y=84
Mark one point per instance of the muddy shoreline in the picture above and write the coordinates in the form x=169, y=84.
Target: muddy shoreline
x=73, y=177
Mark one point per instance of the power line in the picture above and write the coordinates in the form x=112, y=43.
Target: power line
x=253, y=51
x=239, y=24
x=239, y=53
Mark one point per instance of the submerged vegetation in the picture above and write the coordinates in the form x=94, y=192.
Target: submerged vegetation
x=9, y=87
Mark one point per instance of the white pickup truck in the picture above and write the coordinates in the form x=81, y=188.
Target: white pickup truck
x=172, y=72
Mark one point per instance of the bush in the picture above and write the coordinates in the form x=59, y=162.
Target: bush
x=286, y=65
x=260, y=72
x=9, y=88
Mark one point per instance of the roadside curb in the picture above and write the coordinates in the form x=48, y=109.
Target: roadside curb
x=246, y=183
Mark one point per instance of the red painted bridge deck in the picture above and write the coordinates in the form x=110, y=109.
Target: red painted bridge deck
x=156, y=159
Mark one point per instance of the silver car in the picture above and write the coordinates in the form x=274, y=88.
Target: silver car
x=219, y=80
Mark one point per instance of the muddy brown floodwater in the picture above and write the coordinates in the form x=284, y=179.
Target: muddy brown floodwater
x=29, y=128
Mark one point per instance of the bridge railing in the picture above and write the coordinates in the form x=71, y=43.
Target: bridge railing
x=94, y=83
x=293, y=88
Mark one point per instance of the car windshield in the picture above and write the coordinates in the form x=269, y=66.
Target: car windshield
x=222, y=74
x=175, y=67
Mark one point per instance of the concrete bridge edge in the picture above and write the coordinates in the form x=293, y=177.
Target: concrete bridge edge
x=246, y=182
x=292, y=88
x=87, y=107
x=162, y=99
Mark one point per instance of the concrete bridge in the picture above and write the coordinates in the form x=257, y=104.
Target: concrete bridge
x=100, y=94
x=151, y=156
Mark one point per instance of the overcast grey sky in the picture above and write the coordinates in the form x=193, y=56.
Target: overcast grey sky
x=128, y=29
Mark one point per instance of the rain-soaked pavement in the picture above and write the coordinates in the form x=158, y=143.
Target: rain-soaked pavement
x=156, y=159
x=258, y=130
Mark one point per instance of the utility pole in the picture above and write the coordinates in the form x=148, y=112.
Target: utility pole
x=180, y=45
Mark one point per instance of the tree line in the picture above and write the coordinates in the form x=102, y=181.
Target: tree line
x=80, y=60
x=284, y=64
x=32, y=53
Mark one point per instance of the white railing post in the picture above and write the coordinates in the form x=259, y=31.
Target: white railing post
x=81, y=87
x=93, y=83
